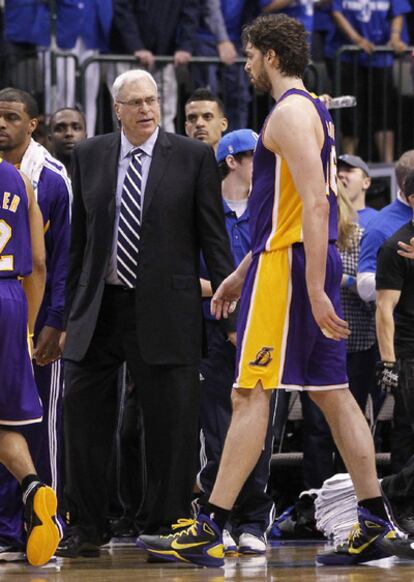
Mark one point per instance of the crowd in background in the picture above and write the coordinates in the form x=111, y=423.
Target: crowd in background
x=180, y=31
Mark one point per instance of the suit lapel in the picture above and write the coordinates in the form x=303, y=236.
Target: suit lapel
x=109, y=172
x=161, y=154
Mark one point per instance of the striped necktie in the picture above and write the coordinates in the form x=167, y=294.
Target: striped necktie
x=130, y=221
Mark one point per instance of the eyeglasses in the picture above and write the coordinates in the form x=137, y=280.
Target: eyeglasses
x=139, y=103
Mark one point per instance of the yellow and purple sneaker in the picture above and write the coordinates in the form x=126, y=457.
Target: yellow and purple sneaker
x=43, y=533
x=372, y=538
x=201, y=543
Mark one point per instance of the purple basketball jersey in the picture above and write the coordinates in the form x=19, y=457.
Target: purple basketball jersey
x=15, y=244
x=274, y=204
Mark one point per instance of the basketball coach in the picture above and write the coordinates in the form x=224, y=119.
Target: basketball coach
x=145, y=203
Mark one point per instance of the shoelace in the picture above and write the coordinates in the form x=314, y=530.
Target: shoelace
x=355, y=533
x=182, y=523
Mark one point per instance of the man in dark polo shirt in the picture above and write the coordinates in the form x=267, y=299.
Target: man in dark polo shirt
x=395, y=331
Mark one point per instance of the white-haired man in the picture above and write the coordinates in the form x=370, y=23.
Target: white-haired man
x=146, y=203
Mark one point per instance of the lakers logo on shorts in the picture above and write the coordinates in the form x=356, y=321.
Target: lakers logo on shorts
x=263, y=357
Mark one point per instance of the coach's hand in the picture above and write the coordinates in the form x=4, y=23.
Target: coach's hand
x=225, y=299
x=331, y=325
x=47, y=348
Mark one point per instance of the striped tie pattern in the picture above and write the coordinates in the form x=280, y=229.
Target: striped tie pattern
x=130, y=221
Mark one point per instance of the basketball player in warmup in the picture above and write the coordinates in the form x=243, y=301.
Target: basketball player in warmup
x=22, y=254
x=289, y=332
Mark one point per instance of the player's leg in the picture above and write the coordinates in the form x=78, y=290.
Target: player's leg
x=15, y=455
x=243, y=445
x=40, y=501
x=352, y=437
x=20, y=405
x=260, y=343
x=202, y=542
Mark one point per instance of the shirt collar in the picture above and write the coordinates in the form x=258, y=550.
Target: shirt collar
x=401, y=198
x=147, y=147
x=229, y=212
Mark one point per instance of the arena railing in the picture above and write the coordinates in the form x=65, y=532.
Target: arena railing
x=111, y=65
x=393, y=89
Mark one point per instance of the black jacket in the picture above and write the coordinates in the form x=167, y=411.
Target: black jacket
x=182, y=215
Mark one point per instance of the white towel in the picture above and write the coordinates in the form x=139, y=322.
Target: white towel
x=35, y=158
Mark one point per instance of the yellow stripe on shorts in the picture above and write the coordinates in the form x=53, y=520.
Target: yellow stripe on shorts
x=264, y=340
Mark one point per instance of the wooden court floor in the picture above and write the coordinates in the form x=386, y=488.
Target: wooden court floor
x=290, y=562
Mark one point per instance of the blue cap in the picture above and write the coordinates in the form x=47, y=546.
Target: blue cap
x=241, y=140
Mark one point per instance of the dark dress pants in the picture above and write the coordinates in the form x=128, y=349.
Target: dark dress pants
x=402, y=436
x=169, y=396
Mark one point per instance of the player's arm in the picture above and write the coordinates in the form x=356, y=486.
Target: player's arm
x=387, y=299
x=293, y=132
x=47, y=343
x=34, y=284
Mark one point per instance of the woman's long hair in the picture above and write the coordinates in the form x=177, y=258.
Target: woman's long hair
x=347, y=219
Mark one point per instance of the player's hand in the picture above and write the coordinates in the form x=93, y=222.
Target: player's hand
x=225, y=299
x=62, y=342
x=47, y=348
x=227, y=52
x=405, y=250
x=146, y=58
x=331, y=325
x=181, y=58
x=387, y=376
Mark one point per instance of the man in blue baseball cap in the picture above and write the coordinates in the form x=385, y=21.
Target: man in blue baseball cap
x=255, y=508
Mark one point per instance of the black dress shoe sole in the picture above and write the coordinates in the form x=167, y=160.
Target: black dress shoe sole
x=91, y=552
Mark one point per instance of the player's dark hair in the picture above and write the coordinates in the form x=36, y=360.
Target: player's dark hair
x=76, y=109
x=286, y=36
x=204, y=94
x=408, y=188
x=11, y=95
x=223, y=167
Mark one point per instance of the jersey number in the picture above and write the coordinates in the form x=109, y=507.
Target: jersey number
x=331, y=178
x=6, y=261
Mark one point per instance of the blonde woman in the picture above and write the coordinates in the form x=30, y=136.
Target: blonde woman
x=361, y=345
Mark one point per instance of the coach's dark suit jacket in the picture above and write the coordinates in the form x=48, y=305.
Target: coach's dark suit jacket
x=182, y=213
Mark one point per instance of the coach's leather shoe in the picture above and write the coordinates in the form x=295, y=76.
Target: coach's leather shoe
x=43, y=534
x=74, y=545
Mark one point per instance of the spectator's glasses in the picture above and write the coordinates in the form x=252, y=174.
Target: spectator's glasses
x=139, y=103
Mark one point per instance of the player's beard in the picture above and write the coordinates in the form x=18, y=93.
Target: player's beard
x=262, y=81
